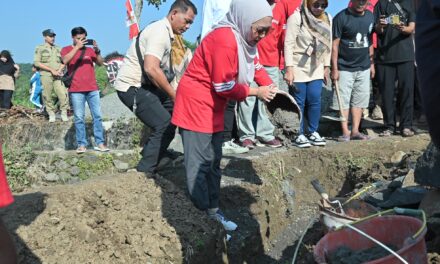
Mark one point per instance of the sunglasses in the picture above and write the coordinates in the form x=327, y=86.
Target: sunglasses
x=318, y=5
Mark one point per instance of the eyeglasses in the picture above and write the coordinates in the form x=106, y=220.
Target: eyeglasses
x=263, y=30
x=318, y=5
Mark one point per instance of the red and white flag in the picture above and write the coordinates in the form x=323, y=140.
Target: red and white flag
x=131, y=20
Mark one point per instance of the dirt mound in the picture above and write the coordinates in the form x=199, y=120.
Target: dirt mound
x=117, y=219
x=18, y=113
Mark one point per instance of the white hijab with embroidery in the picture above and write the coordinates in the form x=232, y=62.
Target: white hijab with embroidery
x=242, y=14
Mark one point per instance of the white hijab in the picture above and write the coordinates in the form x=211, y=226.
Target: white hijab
x=241, y=15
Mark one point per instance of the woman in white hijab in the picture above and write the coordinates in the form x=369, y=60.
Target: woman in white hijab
x=223, y=67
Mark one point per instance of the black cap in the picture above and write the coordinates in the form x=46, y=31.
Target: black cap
x=49, y=32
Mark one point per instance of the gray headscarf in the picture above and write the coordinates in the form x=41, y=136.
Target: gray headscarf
x=241, y=15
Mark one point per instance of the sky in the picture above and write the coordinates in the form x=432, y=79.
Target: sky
x=104, y=20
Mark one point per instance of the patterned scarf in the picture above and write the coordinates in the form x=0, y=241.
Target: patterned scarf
x=180, y=58
x=320, y=29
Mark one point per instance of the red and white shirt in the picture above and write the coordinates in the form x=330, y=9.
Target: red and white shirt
x=271, y=48
x=209, y=81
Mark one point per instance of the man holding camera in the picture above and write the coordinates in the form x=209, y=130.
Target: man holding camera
x=80, y=63
x=395, y=23
x=47, y=58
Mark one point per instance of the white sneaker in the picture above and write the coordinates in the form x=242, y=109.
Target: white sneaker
x=316, y=139
x=302, y=142
x=229, y=147
x=52, y=117
x=227, y=224
x=64, y=117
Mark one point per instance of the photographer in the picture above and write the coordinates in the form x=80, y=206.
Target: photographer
x=395, y=23
x=79, y=60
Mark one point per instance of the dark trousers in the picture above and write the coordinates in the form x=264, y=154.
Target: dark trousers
x=6, y=98
x=418, y=105
x=230, y=124
x=387, y=75
x=154, y=109
x=203, y=153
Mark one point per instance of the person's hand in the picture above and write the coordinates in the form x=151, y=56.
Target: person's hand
x=55, y=73
x=288, y=76
x=404, y=29
x=266, y=93
x=372, y=71
x=96, y=48
x=335, y=75
x=81, y=44
x=382, y=22
x=326, y=75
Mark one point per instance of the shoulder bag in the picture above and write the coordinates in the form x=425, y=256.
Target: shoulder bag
x=67, y=78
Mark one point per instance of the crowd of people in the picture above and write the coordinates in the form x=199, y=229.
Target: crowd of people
x=246, y=49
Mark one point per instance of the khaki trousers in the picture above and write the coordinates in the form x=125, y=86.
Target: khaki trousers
x=52, y=85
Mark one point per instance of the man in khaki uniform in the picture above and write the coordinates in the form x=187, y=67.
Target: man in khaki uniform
x=48, y=58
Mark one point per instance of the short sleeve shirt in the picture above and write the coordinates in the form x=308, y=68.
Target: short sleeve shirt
x=355, y=34
x=393, y=46
x=49, y=56
x=84, y=79
x=154, y=40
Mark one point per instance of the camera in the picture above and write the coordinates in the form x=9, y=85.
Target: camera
x=393, y=20
x=89, y=42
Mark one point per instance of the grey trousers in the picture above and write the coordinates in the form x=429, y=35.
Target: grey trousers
x=252, y=118
x=203, y=153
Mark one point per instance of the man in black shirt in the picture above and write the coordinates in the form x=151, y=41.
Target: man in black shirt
x=352, y=64
x=395, y=61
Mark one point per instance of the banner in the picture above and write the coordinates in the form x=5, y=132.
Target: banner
x=131, y=20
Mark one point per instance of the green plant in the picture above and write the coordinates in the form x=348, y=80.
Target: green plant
x=89, y=166
x=16, y=163
x=22, y=85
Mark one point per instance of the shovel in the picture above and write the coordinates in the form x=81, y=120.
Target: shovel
x=341, y=117
x=334, y=206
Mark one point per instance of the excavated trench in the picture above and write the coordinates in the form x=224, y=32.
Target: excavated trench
x=270, y=196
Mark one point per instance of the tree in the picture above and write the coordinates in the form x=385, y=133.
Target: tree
x=139, y=4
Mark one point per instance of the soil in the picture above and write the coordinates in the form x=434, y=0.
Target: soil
x=127, y=218
x=116, y=219
x=345, y=255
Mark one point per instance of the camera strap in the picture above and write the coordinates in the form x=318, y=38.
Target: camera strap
x=76, y=65
x=399, y=8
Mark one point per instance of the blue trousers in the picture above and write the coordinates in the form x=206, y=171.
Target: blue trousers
x=79, y=100
x=308, y=97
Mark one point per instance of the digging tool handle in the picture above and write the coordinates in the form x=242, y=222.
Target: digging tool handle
x=318, y=187
x=410, y=212
x=338, y=96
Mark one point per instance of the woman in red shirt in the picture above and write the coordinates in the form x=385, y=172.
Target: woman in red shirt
x=7, y=250
x=222, y=68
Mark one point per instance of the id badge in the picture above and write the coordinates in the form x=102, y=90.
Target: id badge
x=309, y=50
